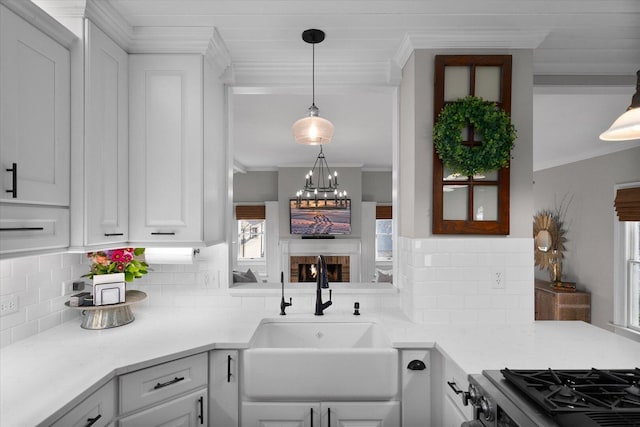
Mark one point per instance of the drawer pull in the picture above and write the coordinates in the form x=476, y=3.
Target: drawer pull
x=23, y=229
x=113, y=234
x=92, y=421
x=168, y=383
x=465, y=394
x=228, y=368
x=328, y=417
x=14, y=180
x=201, y=414
x=163, y=233
x=311, y=417
x=417, y=365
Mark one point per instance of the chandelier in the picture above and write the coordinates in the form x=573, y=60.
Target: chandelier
x=313, y=129
x=320, y=186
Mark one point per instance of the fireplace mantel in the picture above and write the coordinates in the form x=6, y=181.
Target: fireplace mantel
x=327, y=247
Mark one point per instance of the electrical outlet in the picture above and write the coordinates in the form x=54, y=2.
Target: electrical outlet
x=8, y=305
x=497, y=277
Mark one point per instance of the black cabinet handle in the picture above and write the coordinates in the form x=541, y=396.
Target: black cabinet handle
x=92, y=421
x=23, y=229
x=464, y=394
x=14, y=180
x=229, y=368
x=113, y=234
x=201, y=414
x=328, y=417
x=311, y=417
x=163, y=233
x=416, y=365
x=170, y=382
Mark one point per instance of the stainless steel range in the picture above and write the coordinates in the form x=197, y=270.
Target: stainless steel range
x=555, y=398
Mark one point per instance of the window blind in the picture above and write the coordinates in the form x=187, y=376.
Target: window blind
x=384, y=212
x=627, y=204
x=248, y=212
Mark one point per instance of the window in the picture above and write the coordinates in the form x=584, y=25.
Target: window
x=627, y=261
x=251, y=240
x=384, y=233
x=632, y=234
x=251, y=232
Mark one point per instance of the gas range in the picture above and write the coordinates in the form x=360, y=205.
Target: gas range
x=555, y=398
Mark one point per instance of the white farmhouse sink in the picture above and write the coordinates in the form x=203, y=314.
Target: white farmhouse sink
x=320, y=361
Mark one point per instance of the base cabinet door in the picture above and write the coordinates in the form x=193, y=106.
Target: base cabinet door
x=185, y=411
x=361, y=414
x=282, y=414
x=452, y=416
x=321, y=414
x=97, y=410
x=223, y=388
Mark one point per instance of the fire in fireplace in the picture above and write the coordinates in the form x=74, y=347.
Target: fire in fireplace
x=307, y=272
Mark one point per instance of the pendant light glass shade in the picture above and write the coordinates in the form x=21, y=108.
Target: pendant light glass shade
x=313, y=129
x=627, y=126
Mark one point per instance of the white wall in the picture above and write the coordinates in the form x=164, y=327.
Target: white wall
x=589, y=221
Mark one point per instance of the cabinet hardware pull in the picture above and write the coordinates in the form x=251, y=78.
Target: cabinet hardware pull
x=328, y=417
x=14, y=180
x=229, y=368
x=464, y=394
x=23, y=229
x=201, y=414
x=170, y=382
x=92, y=421
x=416, y=365
x=311, y=417
x=113, y=234
x=161, y=233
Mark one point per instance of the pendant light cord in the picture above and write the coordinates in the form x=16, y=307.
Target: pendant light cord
x=313, y=74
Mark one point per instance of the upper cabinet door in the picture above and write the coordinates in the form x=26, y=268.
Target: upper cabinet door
x=166, y=148
x=106, y=163
x=34, y=114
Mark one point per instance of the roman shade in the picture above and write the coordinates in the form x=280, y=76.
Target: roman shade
x=383, y=212
x=627, y=204
x=249, y=212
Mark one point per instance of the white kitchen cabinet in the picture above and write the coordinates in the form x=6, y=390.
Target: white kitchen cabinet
x=34, y=130
x=452, y=415
x=415, y=373
x=166, y=148
x=106, y=140
x=97, y=410
x=34, y=113
x=223, y=388
x=185, y=411
x=329, y=414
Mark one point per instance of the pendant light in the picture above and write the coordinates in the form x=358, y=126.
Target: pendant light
x=320, y=185
x=313, y=129
x=627, y=126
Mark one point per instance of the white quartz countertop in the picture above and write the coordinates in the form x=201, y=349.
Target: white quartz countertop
x=53, y=371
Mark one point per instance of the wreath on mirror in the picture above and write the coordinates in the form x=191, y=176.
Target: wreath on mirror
x=491, y=123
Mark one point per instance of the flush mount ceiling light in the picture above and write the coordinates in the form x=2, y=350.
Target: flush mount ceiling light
x=627, y=126
x=323, y=189
x=313, y=129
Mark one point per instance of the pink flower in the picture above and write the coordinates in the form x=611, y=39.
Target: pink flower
x=117, y=255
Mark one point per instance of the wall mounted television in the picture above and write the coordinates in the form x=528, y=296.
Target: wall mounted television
x=326, y=217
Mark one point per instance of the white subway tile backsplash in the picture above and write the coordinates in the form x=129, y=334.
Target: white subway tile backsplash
x=24, y=330
x=37, y=311
x=48, y=322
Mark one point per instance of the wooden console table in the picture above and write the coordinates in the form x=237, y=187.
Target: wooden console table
x=556, y=304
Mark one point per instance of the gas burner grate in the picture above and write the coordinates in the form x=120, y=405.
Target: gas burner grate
x=560, y=391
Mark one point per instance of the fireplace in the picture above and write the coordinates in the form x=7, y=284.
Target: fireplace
x=303, y=268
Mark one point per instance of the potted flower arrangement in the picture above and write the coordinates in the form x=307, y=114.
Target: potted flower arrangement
x=123, y=260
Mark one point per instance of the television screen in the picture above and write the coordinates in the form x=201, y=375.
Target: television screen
x=324, y=217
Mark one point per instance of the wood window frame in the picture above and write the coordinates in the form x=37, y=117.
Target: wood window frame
x=471, y=226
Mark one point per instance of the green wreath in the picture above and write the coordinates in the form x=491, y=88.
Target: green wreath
x=490, y=122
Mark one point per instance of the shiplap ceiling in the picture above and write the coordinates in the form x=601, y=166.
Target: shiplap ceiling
x=366, y=45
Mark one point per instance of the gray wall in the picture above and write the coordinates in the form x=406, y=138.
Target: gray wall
x=590, y=221
x=377, y=187
x=255, y=186
x=416, y=122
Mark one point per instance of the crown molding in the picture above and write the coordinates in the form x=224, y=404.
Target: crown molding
x=42, y=20
x=468, y=39
x=219, y=57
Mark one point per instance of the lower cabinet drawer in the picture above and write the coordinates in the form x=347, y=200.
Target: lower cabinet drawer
x=158, y=383
x=187, y=411
x=26, y=228
x=456, y=378
x=97, y=410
